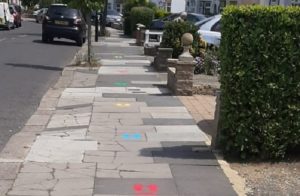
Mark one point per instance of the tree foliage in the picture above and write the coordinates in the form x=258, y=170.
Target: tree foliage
x=30, y=3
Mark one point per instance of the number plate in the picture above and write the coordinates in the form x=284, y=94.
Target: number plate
x=59, y=22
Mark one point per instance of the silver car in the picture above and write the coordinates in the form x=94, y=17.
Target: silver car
x=113, y=17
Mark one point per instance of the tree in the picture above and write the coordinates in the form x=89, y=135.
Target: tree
x=30, y=3
x=86, y=6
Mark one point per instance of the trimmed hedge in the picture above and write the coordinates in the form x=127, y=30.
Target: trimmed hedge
x=143, y=15
x=260, y=81
x=172, y=37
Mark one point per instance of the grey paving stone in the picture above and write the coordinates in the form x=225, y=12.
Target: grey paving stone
x=8, y=171
x=81, y=79
x=165, y=187
x=117, y=80
x=124, y=50
x=5, y=185
x=207, y=180
x=18, y=145
x=116, y=109
x=68, y=120
x=39, y=120
x=151, y=100
x=135, y=129
x=178, y=156
x=184, y=146
x=102, y=129
x=168, y=121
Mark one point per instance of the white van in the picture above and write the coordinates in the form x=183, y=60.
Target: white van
x=6, y=19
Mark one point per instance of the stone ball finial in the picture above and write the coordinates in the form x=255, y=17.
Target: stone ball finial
x=187, y=39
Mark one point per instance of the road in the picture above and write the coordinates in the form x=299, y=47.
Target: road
x=28, y=68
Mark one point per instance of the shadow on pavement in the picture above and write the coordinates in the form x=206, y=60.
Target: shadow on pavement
x=207, y=126
x=181, y=153
x=43, y=67
x=58, y=43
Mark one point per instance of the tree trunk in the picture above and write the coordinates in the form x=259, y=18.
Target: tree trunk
x=103, y=19
x=88, y=18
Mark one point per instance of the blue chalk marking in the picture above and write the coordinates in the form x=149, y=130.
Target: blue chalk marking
x=131, y=136
x=137, y=136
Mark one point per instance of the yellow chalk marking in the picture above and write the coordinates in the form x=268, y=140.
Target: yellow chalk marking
x=122, y=105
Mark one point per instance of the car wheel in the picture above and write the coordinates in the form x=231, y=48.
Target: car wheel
x=44, y=38
x=50, y=39
x=79, y=41
x=84, y=40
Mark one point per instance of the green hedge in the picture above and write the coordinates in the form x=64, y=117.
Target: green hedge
x=260, y=81
x=128, y=5
x=172, y=37
x=143, y=15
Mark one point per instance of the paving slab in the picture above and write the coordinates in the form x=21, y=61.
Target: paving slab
x=162, y=187
x=55, y=179
x=180, y=157
x=69, y=120
x=126, y=81
x=192, y=180
x=81, y=79
x=133, y=90
x=61, y=147
x=38, y=120
x=5, y=185
x=151, y=100
x=168, y=121
x=117, y=49
x=18, y=145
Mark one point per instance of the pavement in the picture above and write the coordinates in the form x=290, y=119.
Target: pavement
x=113, y=130
x=28, y=68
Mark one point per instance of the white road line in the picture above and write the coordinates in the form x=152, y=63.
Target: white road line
x=2, y=39
x=23, y=35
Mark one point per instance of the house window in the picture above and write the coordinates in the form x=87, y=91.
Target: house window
x=207, y=8
x=109, y=7
x=204, y=7
x=168, y=8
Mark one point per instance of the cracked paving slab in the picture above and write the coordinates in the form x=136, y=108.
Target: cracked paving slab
x=121, y=170
x=69, y=120
x=58, y=179
x=61, y=146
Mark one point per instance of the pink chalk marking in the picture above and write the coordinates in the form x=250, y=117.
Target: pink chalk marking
x=150, y=191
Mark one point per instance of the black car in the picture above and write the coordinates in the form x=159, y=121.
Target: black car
x=159, y=24
x=63, y=22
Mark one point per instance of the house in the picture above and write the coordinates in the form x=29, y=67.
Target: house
x=206, y=7
x=115, y=5
x=173, y=6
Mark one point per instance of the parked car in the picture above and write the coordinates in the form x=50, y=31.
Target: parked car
x=36, y=12
x=113, y=17
x=40, y=16
x=210, y=30
x=6, y=18
x=64, y=22
x=16, y=14
x=159, y=24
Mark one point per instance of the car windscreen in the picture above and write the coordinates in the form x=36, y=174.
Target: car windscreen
x=62, y=11
x=200, y=23
x=113, y=12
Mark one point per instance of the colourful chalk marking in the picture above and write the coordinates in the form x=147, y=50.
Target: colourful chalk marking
x=122, y=105
x=149, y=190
x=121, y=84
x=131, y=136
